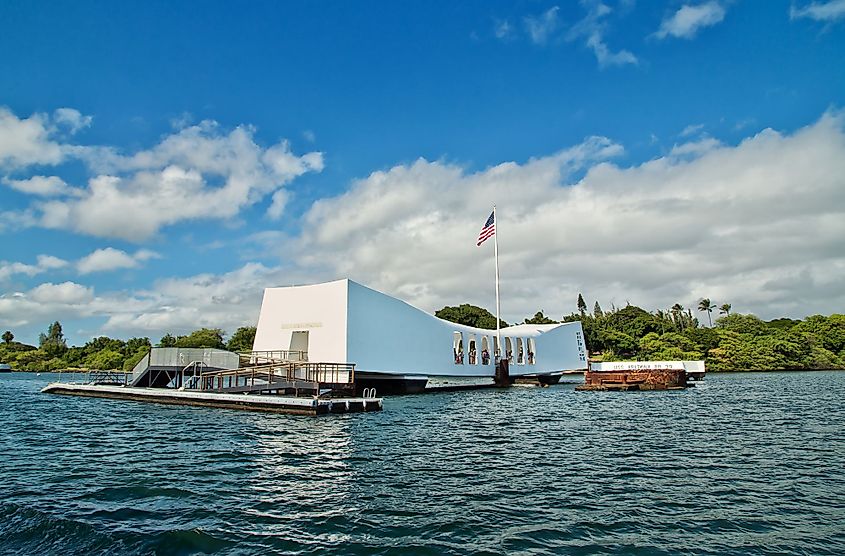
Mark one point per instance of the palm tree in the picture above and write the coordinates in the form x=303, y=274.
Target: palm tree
x=725, y=309
x=677, y=310
x=663, y=316
x=705, y=305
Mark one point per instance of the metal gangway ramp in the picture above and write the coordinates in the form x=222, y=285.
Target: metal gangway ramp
x=161, y=366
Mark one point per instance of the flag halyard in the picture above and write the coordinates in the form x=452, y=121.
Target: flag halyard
x=488, y=230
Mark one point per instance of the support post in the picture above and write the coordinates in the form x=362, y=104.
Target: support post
x=502, y=378
x=496, y=256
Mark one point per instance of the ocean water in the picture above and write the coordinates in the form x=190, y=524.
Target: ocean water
x=741, y=464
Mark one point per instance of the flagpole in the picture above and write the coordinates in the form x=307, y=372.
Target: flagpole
x=496, y=254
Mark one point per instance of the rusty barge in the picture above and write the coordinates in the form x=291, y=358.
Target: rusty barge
x=642, y=375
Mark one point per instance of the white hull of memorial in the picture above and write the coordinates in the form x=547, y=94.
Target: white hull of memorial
x=396, y=347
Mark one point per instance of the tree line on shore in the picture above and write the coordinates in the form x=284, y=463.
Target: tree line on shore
x=53, y=353
x=733, y=342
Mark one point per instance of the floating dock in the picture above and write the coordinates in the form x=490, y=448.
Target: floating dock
x=252, y=402
x=276, y=382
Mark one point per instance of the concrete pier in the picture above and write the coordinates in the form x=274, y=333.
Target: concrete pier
x=250, y=402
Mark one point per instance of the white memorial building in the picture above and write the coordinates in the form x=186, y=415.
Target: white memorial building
x=397, y=347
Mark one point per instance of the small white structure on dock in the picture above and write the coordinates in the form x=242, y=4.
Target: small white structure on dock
x=390, y=340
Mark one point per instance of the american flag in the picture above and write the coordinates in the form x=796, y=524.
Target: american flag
x=488, y=230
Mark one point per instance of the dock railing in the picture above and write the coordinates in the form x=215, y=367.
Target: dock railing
x=281, y=376
x=111, y=377
x=272, y=356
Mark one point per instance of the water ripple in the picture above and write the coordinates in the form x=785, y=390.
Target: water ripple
x=742, y=464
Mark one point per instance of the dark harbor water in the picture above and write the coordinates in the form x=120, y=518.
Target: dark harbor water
x=742, y=464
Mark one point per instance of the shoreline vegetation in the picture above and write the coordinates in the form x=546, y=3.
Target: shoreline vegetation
x=104, y=353
x=733, y=342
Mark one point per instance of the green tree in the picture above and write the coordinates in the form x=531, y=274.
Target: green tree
x=671, y=346
x=539, y=318
x=617, y=344
x=706, y=305
x=8, y=337
x=167, y=341
x=242, y=339
x=743, y=324
x=470, y=315
x=106, y=359
x=134, y=345
x=677, y=312
x=53, y=342
x=202, y=338
x=101, y=343
x=725, y=309
x=782, y=323
x=826, y=332
x=703, y=338
x=597, y=313
x=33, y=360
x=130, y=363
x=582, y=305
x=75, y=357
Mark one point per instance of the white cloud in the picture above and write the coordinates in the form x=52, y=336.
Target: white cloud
x=696, y=148
x=109, y=258
x=820, y=11
x=539, y=27
x=691, y=129
x=605, y=56
x=72, y=119
x=180, y=304
x=43, y=264
x=181, y=121
x=502, y=30
x=49, y=262
x=66, y=293
x=196, y=173
x=49, y=301
x=593, y=29
x=277, y=205
x=177, y=305
x=16, y=219
x=758, y=224
x=99, y=260
x=28, y=141
x=689, y=19
x=44, y=186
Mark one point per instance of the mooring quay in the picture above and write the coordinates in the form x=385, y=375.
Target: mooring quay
x=280, y=382
x=253, y=402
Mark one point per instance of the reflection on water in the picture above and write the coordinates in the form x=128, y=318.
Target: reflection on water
x=743, y=464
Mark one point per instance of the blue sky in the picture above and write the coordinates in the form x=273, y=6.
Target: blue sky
x=295, y=142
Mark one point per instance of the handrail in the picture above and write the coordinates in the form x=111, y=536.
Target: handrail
x=271, y=373
x=273, y=356
x=111, y=377
x=196, y=368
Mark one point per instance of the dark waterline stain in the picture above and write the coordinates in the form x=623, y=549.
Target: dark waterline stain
x=745, y=463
